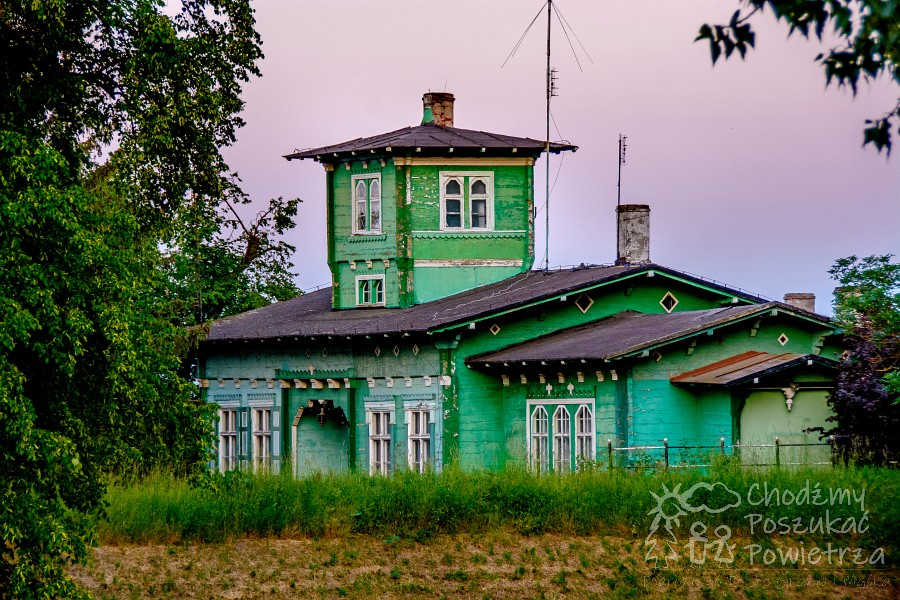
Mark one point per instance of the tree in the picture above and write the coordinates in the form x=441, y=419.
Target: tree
x=868, y=33
x=866, y=401
x=88, y=357
x=220, y=265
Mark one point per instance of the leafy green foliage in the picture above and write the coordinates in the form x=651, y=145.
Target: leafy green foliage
x=89, y=359
x=866, y=401
x=869, y=44
x=218, y=265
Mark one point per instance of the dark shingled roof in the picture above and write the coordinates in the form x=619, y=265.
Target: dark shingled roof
x=432, y=139
x=311, y=314
x=743, y=368
x=624, y=333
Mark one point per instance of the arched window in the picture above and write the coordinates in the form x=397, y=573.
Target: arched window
x=362, y=209
x=467, y=200
x=366, y=203
x=540, y=456
x=375, y=204
x=562, y=440
x=478, y=199
x=453, y=202
x=584, y=434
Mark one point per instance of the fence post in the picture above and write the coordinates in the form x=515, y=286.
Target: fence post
x=609, y=452
x=722, y=446
x=666, y=451
x=777, y=453
x=831, y=442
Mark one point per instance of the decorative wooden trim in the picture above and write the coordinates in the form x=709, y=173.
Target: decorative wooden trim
x=469, y=234
x=489, y=262
x=524, y=161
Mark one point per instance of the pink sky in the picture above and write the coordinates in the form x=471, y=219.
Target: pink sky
x=754, y=172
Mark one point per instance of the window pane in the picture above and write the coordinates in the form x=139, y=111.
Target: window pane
x=539, y=442
x=452, y=188
x=453, y=213
x=361, y=211
x=562, y=440
x=479, y=213
x=478, y=187
x=376, y=215
x=377, y=291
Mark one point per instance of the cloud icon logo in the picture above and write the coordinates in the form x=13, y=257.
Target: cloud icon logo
x=712, y=498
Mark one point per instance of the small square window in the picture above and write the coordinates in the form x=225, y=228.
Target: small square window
x=370, y=290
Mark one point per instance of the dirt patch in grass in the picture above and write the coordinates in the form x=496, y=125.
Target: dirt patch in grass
x=494, y=565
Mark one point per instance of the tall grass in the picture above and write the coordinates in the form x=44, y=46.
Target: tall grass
x=163, y=509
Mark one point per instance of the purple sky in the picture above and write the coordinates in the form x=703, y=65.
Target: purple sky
x=753, y=170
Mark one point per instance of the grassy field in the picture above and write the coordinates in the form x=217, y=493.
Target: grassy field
x=503, y=535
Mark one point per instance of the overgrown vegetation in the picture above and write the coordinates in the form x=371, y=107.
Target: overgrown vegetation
x=165, y=510
x=90, y=338
x=866, y=401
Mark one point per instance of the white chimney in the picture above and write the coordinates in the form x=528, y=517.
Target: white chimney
x=801, y=300
x=633, y=235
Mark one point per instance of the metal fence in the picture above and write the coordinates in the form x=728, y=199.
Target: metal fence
x=638, y=457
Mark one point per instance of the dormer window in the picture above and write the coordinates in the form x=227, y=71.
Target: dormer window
x=370, y=290
x=467, y=201
x=366, y=204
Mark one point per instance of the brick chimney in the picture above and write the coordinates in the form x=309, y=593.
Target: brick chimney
x=804, y=301
x=440, y=105
x=633, y=234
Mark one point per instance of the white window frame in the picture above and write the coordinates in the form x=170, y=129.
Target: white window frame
x=421, y=450
x=363, y=281
x=585, y=436
x=538, y=443
x=466, y=178
x=261, y=424
x=418, y=439
x=539, y=439
x=228, y=430
x=380, y=422
x=370, y=201
x=562, y=439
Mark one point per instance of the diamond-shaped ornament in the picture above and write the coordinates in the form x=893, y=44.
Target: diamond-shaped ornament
x=396, y=350
x=377, y=350
x=669, y=302
x=415, y=349
x=584, y=303
x=783, y=339
x=495, y=329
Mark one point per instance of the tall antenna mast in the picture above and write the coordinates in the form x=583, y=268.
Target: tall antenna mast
x=550, y=92
x=623, y=146
x=547, y=148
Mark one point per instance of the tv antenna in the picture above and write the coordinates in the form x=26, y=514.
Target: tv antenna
x=552, y=91
x=623, y=146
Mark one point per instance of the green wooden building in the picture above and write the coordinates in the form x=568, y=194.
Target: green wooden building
x=438, y=343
